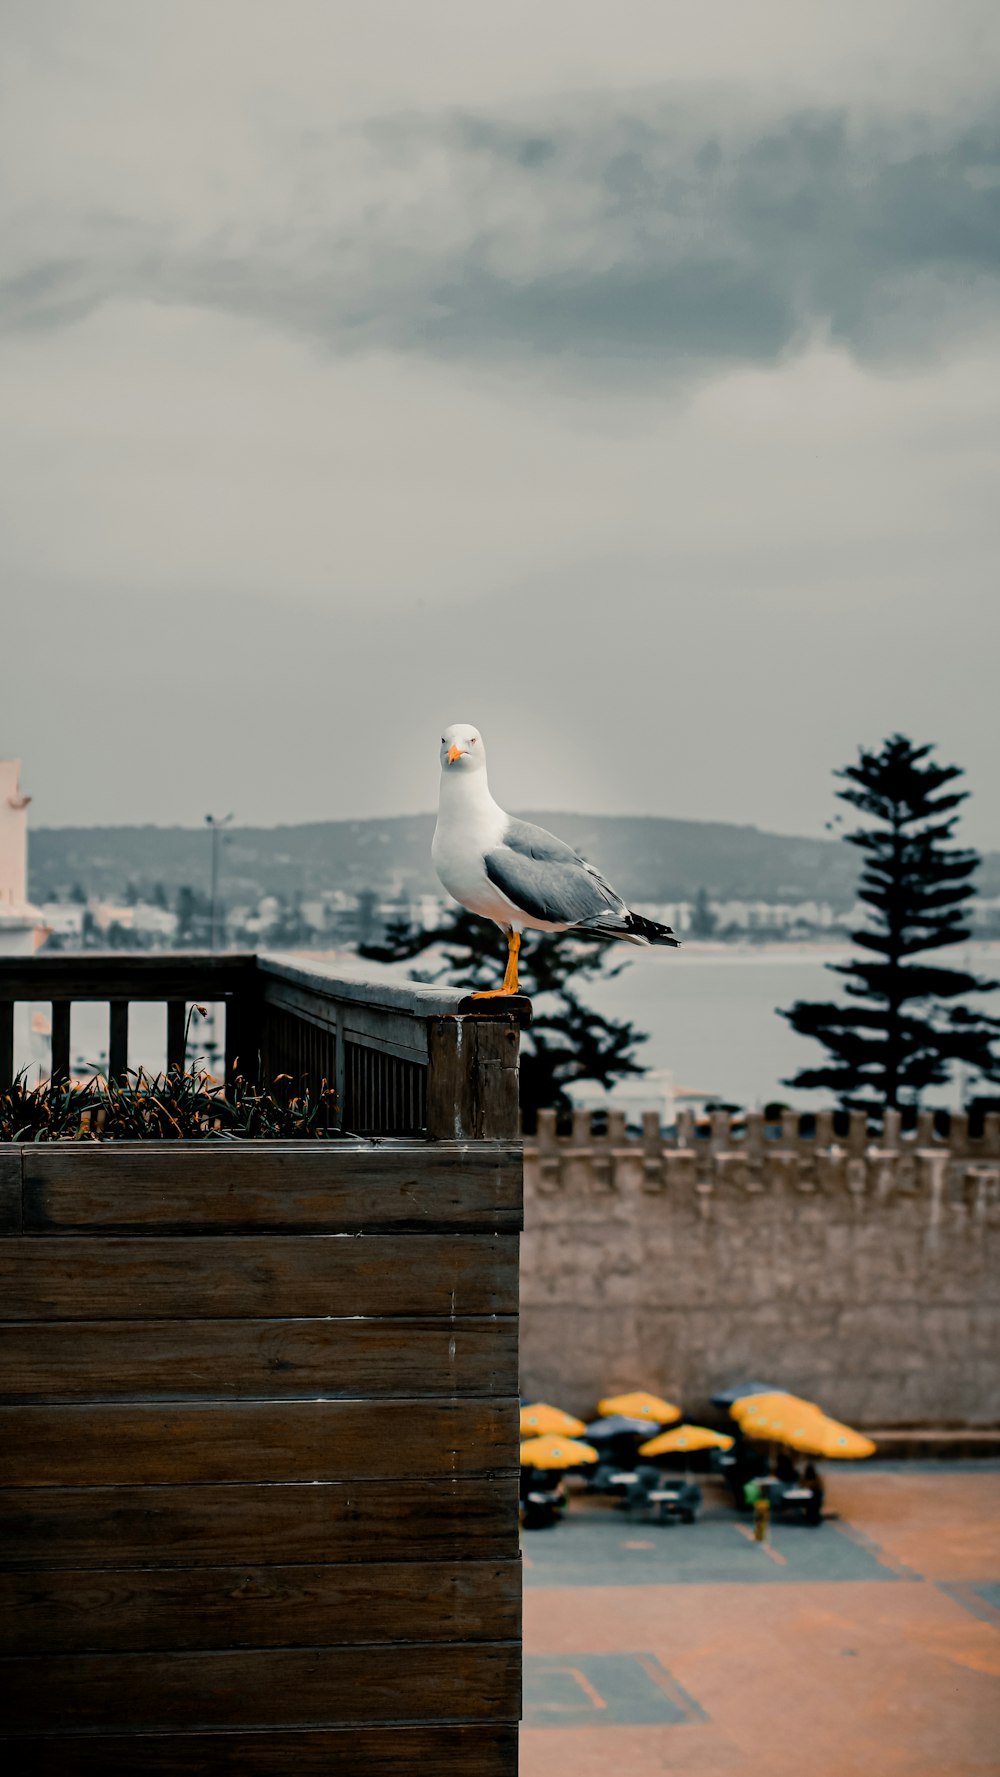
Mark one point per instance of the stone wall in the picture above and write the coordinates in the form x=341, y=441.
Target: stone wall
x=862, y=1274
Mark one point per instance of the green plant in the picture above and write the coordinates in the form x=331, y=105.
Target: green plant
x=182, y=1104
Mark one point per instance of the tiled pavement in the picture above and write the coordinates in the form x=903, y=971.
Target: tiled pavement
x=868, y=1645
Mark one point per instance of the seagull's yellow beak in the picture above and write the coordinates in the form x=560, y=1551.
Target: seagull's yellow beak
x=454, y=753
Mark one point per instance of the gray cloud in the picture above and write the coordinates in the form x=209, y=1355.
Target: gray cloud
x=658, y=234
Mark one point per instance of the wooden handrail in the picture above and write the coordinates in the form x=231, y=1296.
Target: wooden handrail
x=348, y=982
x=116, y=974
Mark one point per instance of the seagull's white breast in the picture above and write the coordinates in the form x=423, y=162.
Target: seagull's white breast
x=470, y=824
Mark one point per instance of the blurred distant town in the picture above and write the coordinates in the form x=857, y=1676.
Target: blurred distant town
x=338, y=884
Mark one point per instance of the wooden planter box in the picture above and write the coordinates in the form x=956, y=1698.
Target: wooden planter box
x=259, y=1458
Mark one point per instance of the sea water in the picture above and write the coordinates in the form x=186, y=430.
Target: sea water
x=710, y=1012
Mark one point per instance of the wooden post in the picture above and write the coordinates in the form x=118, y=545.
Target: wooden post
x=117, y=1039
x=176, y=1033
x=496, y=1065
x=6, y=1043
x=244, y=1029
x=61, y=1012
x=472, y=1083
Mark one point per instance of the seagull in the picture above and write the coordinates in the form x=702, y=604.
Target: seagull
x=514, y=873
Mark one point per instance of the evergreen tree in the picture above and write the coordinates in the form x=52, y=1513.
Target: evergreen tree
x=900, y=1031
x=192, y=916
x=704, y=919
x=567, y=1039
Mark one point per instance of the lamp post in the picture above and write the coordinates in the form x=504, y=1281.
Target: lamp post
x=216, y=822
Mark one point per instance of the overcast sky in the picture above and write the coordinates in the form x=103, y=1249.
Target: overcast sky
x=623, y=378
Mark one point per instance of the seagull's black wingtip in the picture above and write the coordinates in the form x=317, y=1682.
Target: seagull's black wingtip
x=652, y=931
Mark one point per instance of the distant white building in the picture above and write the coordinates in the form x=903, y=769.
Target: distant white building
x=772, y=916
x=140, y=916
x=22, y=927
x=63, y=918
x=675, y=914
x=153, y=921
x=428, y=911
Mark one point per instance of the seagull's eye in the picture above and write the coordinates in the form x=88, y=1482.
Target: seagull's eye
x=472, y=740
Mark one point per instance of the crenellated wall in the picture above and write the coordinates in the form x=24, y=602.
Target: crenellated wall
x=862, y=1273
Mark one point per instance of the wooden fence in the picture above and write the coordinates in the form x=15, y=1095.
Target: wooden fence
x=259, y=1456
x=405, y=1058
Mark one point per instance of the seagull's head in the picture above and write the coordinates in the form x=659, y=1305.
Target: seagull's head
x=462, y=749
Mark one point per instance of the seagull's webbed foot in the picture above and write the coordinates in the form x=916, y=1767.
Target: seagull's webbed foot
x=510, y=977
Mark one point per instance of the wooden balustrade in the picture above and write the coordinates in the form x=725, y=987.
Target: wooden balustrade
x=403, y=1058
x=258, y=1399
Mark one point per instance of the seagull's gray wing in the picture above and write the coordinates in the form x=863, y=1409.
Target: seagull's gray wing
x=547, y=879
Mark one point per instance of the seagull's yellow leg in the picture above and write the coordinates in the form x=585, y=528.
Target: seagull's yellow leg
x=510, y=975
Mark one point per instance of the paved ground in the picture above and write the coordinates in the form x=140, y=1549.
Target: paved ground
x=870, y=1645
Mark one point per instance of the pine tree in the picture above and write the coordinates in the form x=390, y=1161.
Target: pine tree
x=567, y=1039
x=900, y=1032
x=704, y=919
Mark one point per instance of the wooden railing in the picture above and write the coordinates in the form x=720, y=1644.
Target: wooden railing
x=258, y=1399
x=404, y=1059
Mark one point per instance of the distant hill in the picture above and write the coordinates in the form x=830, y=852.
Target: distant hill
x=647, y=857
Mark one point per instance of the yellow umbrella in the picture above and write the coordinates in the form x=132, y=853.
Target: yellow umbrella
x=639, y=1406
x=827, y=1437
x=785, y=1419
x=775, y=1399
x=769, y=1417
x=540, y=1417
x=685, y=1437
x=556, y=1452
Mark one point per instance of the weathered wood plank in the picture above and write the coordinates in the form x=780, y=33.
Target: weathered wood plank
x=194, y=1526
x=10, y=1194
x=337, y=981
x=233, y=1607
x=264, y=1687
x=485, y=1749
x=95, y=1277
x=257, y=1359
x=472, y=1090
x=324, y=1187
x=113, y=974
x=450, y=1086
x=497, y=1081
x=95, y=1446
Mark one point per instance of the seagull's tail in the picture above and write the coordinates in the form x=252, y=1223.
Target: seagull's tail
x=630, y=928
